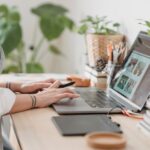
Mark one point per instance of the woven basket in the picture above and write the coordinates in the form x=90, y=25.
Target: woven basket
x=96, y=46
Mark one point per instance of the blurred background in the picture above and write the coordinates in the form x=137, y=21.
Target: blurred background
x=70, y=58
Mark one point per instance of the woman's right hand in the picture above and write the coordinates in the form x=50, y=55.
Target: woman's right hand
x=43, y=98
x=53, y=94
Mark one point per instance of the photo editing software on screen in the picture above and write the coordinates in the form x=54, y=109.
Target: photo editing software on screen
x=130, y=76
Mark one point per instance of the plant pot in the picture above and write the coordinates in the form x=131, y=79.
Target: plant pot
x=97, y=46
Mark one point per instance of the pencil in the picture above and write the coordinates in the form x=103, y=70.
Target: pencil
x=110, y=52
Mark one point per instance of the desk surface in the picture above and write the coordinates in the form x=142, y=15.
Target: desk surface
x=36, y=131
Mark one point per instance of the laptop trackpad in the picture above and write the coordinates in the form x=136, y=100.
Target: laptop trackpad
x=72, y=102
x=76, y=106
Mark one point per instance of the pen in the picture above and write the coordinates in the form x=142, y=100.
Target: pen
x=66, y=84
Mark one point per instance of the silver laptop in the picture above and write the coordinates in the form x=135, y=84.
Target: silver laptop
x=129, y=88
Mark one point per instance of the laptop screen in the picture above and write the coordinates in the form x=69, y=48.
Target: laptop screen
x=133, y=80
x=128, y=79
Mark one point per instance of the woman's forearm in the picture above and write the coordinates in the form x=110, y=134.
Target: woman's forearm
x=42, y=99
x=14, y=86
x=23, y=102
x=3, y=84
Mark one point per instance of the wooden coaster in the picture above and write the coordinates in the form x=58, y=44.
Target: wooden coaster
x=106, y=140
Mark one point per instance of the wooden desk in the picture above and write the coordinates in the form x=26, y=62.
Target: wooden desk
x=36, y=131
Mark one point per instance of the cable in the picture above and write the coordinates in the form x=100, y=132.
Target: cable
x=120, y=107
x=126, y=112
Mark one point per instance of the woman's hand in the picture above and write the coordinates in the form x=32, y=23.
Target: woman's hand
x=44, y=98
x=53, y=95
x=34, y=87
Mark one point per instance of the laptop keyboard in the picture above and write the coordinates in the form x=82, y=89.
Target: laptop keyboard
x=97, y=99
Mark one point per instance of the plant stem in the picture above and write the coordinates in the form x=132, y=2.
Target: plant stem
x=22, y=58
x=36, y=50
x=34, y=34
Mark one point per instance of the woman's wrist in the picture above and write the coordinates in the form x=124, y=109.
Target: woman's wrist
x=34, y=101
x=16, y=87
x=24, y=102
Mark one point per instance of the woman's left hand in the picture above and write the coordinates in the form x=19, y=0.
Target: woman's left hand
x=34, y=87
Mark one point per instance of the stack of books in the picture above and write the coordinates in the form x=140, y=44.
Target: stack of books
x=144, y=125
x=98, y=79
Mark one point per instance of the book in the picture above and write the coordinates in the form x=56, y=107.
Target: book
x=147, y=120
x=148, y=113
x=144, y=125
x=144, y=129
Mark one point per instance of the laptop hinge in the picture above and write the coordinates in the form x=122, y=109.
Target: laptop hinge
x=122, y=100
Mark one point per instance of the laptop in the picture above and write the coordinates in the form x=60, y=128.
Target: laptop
x=128, y=89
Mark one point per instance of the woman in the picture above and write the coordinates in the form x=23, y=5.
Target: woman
x=16, y=97
x=45, y=93
x=49, y=93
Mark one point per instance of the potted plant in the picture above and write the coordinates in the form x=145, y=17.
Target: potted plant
x=53, y=20
x=99, y=32
x=146, y=24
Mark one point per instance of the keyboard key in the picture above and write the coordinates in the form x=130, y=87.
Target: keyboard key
x=97, y=99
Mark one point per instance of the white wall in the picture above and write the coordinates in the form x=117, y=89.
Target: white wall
x=127, y=12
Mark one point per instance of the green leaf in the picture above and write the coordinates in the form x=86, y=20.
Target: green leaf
x=148, y=32
x=13, y=37
x=10, y=29
x=116, y=24
x=54, y=49
x=83, y=29
x=100, y=25
x=47, y=10
x=14, y=17
x=53, y=20
x=3, y=30
x=51, y=28
x=67, y=22
x=3, y=10
x=11, y=69
x=34, y=68
x=87, y=19
x=147, y=23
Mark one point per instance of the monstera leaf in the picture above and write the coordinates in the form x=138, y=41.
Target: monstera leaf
x=11, y=38
x=10, y=29
x=46, y=10
x=51, y=28
x=52, y=20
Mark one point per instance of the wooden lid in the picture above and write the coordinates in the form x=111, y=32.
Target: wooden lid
x=106, y=140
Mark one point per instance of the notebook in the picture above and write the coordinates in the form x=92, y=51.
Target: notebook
x=82, y=124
